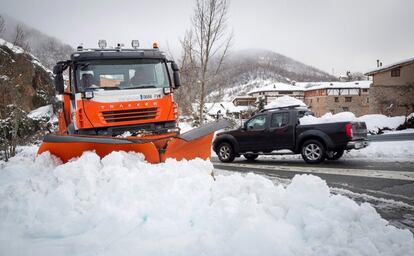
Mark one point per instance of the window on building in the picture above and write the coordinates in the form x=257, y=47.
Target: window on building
x=336, y=99
x=345, y=109
x=367, y=99
x=285, y=92
x=311, y=101
x=348, y=99
x=395, y=72
x=364, y=90
x=317, y=99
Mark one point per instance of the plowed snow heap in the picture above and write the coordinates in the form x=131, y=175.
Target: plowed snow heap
x=117, y=91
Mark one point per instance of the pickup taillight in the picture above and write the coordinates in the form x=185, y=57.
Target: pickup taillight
x=348, y=130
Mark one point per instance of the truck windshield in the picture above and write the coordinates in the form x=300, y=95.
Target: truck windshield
x=121, y=74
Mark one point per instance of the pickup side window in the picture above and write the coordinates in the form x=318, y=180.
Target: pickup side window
x=279, y=119
x=257, y=123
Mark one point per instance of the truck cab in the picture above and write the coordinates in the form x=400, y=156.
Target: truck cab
x=113, y=91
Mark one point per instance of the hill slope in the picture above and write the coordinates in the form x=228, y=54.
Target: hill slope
x=46, y=48
x=248, y=69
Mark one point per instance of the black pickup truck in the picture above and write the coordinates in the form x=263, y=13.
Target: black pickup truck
x=278, y=129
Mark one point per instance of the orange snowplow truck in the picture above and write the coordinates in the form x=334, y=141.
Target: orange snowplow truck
x=122, y=99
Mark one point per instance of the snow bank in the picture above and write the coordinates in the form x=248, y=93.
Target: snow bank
x=185, y=126
x=385, y=151
x=329, y=118
x=44, y=111
x=121, y=205
x=285, y=101
x=374, y=122
x=377, y=121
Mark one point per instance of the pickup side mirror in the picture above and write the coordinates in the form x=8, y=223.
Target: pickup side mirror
x=176, y=75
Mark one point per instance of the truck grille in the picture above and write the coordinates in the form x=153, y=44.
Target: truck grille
x=129, y=115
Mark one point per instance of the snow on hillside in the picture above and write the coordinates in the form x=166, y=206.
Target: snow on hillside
x=121, y=205
x=18, y=50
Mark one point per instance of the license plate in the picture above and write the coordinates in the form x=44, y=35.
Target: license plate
x=359, y=145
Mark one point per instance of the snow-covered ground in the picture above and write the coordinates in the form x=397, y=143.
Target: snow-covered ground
x=121, y=205
x=379, y=151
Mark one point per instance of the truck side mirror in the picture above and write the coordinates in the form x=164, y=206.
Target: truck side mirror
x=176, y=75
x=58, y=79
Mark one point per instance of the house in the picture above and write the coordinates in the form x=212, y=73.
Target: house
x=275, y=90
x=337, y=97
x=244, y=101
x=392, y=89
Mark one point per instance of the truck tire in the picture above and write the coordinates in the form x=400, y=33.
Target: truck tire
x=225, y=152
x=313, y=152
x=334, y=155
x=250, y=156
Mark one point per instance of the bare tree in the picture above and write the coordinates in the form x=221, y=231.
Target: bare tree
x=189, y=73
x=2, y=25
x=20, y=38
x=209, y=25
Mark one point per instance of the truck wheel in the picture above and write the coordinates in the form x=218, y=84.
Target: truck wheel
x=334, y=155
x=225, y=152
x=313, y=152
x=250, y=156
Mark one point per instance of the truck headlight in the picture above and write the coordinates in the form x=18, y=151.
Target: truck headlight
x=88, y=94
x=167, y=90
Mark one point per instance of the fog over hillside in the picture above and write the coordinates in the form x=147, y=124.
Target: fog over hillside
x=245, y=69
x=46, y=48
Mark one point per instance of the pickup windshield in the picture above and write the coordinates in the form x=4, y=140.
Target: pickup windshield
x=121, y=74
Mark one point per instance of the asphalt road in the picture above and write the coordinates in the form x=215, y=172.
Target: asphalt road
x=388, y=186
x=392, y=137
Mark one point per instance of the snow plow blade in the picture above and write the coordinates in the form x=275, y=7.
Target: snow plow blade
x=193, y=144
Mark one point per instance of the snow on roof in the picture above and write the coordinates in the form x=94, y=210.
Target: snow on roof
x=276, y=87
x=285, y=101
x=390, y=66
x=309, y=86
x=224, y=107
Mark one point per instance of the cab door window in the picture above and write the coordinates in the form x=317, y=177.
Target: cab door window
x=280, y=119
x=256, y=123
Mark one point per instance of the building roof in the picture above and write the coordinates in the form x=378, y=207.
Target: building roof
x=275, y=87
x=310, y=86
x=390, y=66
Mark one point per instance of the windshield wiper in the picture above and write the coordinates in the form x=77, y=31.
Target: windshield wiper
x=141, y=87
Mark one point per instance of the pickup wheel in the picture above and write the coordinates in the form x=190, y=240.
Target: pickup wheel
x=313, y=152
x=250, y=156
x=225, y=152
x=334, y=155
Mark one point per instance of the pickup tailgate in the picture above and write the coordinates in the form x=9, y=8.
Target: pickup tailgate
x=359, y=131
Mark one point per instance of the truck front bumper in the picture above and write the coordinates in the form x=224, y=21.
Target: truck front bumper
x=357, y=144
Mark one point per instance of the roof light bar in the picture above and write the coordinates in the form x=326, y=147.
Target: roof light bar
x=135, y=44
x=102, y=44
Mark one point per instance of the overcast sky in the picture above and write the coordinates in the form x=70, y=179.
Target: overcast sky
x=332, y=35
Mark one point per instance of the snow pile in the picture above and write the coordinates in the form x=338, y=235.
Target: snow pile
x=385, y=151
x=121, y=205
x=375, y=122
x=329, y=118
x=185, y=126
x=39, y=113
x=285, y=101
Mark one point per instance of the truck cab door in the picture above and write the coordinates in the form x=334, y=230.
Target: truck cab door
x=252, y=137
x=281, y=131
